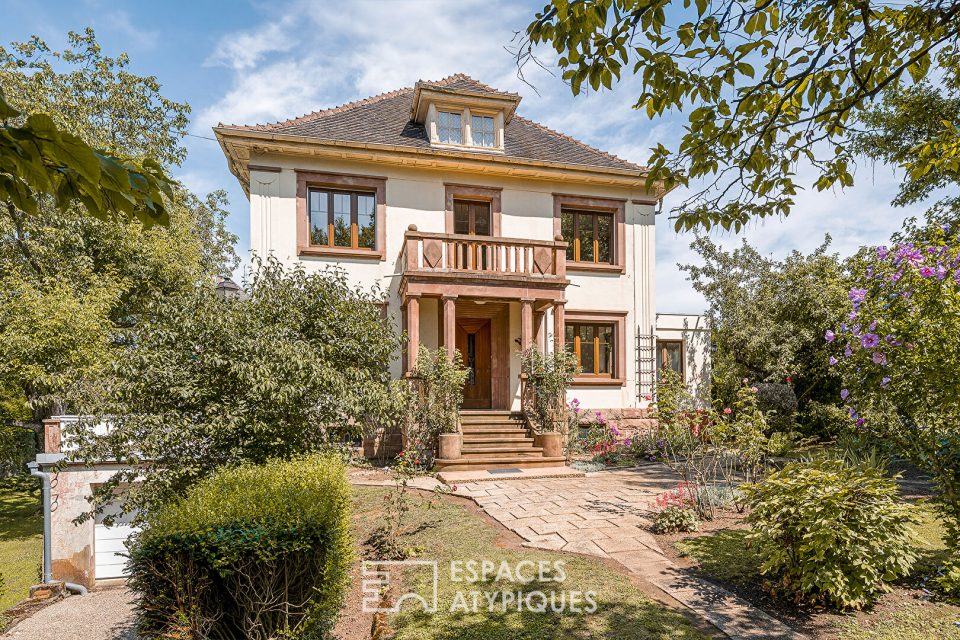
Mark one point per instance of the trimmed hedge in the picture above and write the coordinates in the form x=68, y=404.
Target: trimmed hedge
x=258, y=552
x=831, y=532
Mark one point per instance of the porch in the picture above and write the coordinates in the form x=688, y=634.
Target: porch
x=488, y=298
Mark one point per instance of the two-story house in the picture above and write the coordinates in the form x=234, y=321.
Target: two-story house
x=490, y=232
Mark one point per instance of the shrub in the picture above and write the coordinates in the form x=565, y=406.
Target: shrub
x=434, y=399
x=948, y=580
x=251, y=552
x=779, y=402
x=830, y=531
x=675, y=519
x=548, y=376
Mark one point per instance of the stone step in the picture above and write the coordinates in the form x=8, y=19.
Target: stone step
x=485, y=430
x=502, y=452
x=515, y=462
x=490, y=419
x=505, y=439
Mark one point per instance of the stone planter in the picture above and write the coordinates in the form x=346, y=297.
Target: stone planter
x=450, y=445
x=551, y=442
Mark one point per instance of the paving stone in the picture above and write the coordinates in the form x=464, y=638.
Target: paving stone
x=552, y=542
x=587, y=547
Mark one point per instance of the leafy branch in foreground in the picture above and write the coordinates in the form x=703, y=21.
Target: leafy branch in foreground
x=771, y=86
x=39, y=158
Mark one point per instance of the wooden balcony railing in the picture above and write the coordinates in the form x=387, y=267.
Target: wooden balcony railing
x=452, y=253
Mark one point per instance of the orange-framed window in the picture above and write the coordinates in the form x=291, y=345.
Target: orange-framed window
x=589, y=236
x=343, y=219
x=670, y=356
x=594, y=346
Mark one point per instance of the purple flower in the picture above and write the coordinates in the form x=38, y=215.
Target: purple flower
x=882, y=252
x=844, y=394
x=833, y=361
x=628, y=442
x=860, y=422
x=873, y=325
x=829, y=336
x=852, y=316
x=852, y=412
x=885, y=382
x=870, y=340
x=879, y=357
x=926, y=272
x=848, y=351
x=941, y=272
x=857, y=294
x=855, y=330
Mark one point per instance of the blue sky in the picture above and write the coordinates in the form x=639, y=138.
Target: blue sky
x=251, y=62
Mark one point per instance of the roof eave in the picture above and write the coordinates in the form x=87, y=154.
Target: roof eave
x=229, y=138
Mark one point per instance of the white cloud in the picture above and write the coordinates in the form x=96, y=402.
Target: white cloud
x=245, y=49
x=121, y=23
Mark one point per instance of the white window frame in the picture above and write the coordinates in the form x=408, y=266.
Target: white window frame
x=483, y=117
x=441, y=129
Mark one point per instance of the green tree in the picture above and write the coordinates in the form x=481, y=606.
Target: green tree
x=768, y=317
x=215, y=380
x=72, y=286
x=770, y=86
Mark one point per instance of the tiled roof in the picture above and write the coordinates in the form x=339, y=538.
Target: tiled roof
x=385, y=119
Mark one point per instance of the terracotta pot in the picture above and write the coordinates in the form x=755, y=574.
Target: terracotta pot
x=551, y=442
x=450, y=445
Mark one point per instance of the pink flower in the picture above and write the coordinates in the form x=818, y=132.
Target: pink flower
x=727, y=411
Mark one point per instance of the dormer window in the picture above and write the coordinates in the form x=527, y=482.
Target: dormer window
x=450, y=127
x=483, y=132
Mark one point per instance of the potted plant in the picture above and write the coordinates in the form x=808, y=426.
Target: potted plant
x=436, y=396
x=545, y=380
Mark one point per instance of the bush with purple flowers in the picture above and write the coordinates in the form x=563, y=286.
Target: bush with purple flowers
x=899, y=356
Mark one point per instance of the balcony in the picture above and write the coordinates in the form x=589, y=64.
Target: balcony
x=469, y=259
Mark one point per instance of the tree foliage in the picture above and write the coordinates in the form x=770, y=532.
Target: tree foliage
x=899, y=352
x=214, y=380
x=772, y=88
x=767, y=316
x=72, y=286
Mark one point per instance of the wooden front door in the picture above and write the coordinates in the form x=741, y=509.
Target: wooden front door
x=473, y=343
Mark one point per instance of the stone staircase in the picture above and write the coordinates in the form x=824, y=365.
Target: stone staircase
x=496, y=440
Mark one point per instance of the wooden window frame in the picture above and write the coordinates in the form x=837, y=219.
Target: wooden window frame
x=591, y=204
x=476, y=193
x=482, y=114
x=683, y=355
x=577, y=246
x=375, y=185
x=616, y=319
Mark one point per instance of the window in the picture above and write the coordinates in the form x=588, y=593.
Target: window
x=471, y=218
x=593, y=344
x=450, y=127
x=589, y=236
x=670, y=356
x=482, y=132
x=343, y=219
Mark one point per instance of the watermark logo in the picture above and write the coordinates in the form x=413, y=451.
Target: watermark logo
x=478, y=585
x=377, y=576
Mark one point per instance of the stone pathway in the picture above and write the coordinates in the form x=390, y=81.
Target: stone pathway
x=608, y=514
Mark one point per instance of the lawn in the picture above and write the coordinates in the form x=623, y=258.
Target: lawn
x=21, y=538
x=445, y=530
x=725, y=557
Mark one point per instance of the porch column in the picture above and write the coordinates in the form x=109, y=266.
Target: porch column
x=559, y=324
x=526, y=323
x=413, y=330
x=450, y=324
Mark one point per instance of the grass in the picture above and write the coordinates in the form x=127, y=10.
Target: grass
x=21, y=538
x=445, y=531
x=724, y=556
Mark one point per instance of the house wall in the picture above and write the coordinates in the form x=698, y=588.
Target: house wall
x=695, y=333
x=417, y=196
x=72, y=545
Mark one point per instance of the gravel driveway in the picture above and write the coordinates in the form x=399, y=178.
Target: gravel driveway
x=99, y=615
